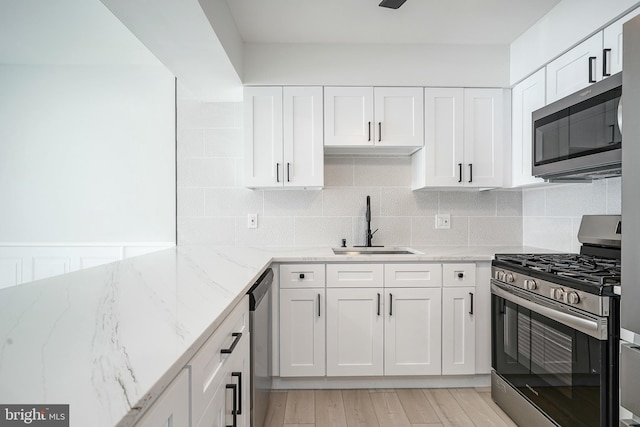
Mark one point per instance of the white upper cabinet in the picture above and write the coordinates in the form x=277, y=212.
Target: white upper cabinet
x=373, y=117
x=576, y=69
x=612, y=45
x=527, y=96
x=283, y=137
x=348, y=116
x=464, y=140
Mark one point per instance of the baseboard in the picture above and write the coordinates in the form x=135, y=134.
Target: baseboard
x=449, y=381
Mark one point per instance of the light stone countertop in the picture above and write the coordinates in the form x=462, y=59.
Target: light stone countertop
x=107, y=340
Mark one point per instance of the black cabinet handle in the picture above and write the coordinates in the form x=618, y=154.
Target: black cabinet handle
x=302, y=275
x=606, y=53
x=318, y=305
x=460, y=172
x=460, y=275
x=237, y=336
x=390, y=304
x=378, y=304
x=379, y=131
x=592, y=63
x=369, y=132
x=288, y=167
x=235, y=404
x=277, y=172
x=613, y=133
x=470, y=172
x=471, y=311
x=239, y=375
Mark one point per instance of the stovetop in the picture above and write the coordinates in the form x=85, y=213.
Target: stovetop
x=588, y=273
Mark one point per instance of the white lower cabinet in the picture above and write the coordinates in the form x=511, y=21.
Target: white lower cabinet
x=412, y=331
x=302, y=332
x=458, y=331
x=172, y=407
x=355, y=332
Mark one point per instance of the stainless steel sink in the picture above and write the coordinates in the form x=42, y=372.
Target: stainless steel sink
x=374, y=251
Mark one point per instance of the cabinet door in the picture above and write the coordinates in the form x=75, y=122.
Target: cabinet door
x=172, y=407
x=355, y=332
x=240, y=375
x=399, y=116
x=412, y=331
x=576, y=69
x=458, y=331
x=527, y=96
x=444, y=138
x=303, y=144
x=302, y=332
x=263, y=157
x=612, y=44
x=348, y=116
x=483, y=138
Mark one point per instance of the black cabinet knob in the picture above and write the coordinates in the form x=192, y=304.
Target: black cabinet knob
x=302, y=275
x=460, y=275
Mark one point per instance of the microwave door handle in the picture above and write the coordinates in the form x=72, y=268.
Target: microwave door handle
x=613, y=134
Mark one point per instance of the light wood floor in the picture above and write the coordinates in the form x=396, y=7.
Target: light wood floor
x=464, y=407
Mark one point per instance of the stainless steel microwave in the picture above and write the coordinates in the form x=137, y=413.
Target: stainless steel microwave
x=580, y=137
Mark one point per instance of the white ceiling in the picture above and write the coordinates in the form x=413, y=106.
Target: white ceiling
x=362, y=21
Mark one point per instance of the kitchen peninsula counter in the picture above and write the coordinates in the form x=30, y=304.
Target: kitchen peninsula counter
x=107, y=340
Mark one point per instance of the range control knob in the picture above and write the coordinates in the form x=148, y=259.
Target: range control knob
x=557, y=294
x=499, y=275
x=573, y=298
x=530, y=285
x=509, y=278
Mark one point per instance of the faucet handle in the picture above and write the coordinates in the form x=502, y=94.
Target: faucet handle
x=374, y=232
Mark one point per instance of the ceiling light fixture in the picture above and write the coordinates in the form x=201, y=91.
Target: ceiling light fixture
x=391, y=4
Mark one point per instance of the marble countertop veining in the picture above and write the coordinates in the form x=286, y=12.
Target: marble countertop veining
x=107, y=340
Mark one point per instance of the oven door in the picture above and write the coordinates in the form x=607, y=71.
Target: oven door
x=554, y=357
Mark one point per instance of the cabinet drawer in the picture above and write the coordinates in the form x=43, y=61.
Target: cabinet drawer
x=412, y=275
x=302, y=276
x=209, y=364
x=459, y=274
x=354, y=275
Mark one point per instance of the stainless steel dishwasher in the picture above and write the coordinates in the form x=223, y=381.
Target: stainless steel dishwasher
x=260, y=343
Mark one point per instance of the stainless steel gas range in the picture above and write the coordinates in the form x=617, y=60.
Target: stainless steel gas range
x=555, y=331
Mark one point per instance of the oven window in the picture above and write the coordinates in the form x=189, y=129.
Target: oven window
x=554, y=366
x=587, y=128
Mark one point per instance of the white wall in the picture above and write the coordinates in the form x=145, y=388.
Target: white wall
x=567, y=24
x=376, y=65
x=86, y=154
x=552, y=214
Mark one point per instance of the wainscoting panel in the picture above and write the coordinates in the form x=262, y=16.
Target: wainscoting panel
x=21, y=263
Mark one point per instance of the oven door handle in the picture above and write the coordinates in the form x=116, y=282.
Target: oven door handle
x=593, y=327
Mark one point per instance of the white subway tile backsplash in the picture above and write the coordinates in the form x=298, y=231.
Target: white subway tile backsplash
x=190, y=201
x=576, y=199
x=214, y=172
x=392, y=231
x=190, y=143
x=468, y=203
x=338, y=171
x=350, y=201
x=614, y=196
x=382, y=171
x=218, y=115
x=424, y=233
x=533, y=202
x=223, y=143
x=322, y=231
x=293, y=203
x=208, y=230
x=233, y=202
x=404, y=202
x=485, y=231
x=509, y=203
x=271, y=231
x=548, y=232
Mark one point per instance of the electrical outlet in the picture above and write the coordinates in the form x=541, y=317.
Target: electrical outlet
x=252, y=220
x=443, y=221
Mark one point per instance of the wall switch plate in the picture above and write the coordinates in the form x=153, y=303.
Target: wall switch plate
x=252, y=220
x=443, y=221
